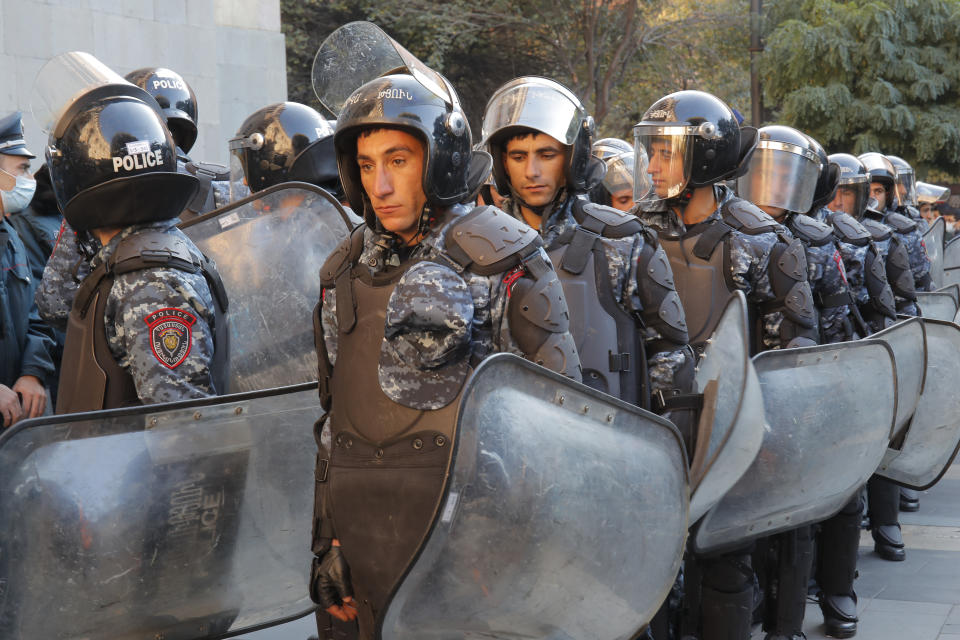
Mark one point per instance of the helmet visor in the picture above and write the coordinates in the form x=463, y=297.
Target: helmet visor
x=906, y=187
x=851, y=196
x=668, y=150
x=931, y=193
x=66, y=78
x=780, y=175
x=537, y=107
x=621, y=174
x=238, y=179
x=359, y=52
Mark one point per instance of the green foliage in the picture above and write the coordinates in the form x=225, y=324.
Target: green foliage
x=619, y=57
x=868, y=75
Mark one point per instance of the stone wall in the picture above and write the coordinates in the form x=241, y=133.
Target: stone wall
x=230, y=51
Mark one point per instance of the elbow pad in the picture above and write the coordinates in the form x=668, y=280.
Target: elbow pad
x=663, y=310
x=899, y=274
x=793, y=297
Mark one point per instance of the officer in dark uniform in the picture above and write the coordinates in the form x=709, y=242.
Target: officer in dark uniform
x=627, y=317
x=178, y=103
x=420, y=293
x=26, y=343
x=147, y=323
x=906, y=192
x=616, y=189
x=839, y=536
x=718, y=243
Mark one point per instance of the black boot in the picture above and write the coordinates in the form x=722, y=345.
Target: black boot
x=888, y=542
x=839, y=615
x=909, y=499
x=726, y=616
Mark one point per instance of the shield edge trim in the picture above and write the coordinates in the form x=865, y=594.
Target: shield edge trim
x=731, y=546
x=736, y=296
x=494, y=361
x=923, y=379
x=259, y=195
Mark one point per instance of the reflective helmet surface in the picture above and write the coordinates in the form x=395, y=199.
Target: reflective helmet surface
x=928, y=193
x=853, y=183
x=532, y=103
x=782, y=172
x=698, y=136
x=176, y=99
x=283, y=142
x=115, y=164
x=399, y=101
x=606, y=147
x=906, y=181
x=828, y=179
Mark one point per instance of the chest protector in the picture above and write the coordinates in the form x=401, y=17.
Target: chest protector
x=881, y=305
x=607, y=337
x=91, y=378
x=700, y=259
x=389, y=459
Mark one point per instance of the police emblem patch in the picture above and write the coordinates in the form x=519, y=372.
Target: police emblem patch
x=170, y=335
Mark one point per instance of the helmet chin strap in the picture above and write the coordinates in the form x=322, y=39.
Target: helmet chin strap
x=539, y=209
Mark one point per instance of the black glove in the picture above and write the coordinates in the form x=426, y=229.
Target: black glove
x=330, y=579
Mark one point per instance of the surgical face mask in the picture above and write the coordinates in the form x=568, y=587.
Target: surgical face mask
x=19, y=198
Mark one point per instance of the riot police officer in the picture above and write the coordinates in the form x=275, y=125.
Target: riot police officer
x=178, y=104
x=420, y=293
x=147, y=323
x=718, y=242
x=906, y=192
x=783, y=178
x=628, y=320
x=616, y=189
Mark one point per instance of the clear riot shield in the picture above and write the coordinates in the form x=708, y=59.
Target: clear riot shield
x=565, y=516
x=908, y=341
x=933, y=241
x=269, y=248
x=829, y=413
x=919, y=458
x=731, y=424
x=951, y=262
x=188, y=520
x=937, y=305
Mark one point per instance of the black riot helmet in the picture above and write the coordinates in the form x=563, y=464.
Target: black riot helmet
x=400, y=101
x=828, y=180
x=853, y=185
x=534, y=104
x=700, y=138
x=906, y=182
x=111, y=158
x=283, y=142
x=881, y=170
x=176, y=98
x=782, y=172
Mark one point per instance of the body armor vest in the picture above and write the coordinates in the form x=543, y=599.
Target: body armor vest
x=91, y=378
x=881, y=306
x=607, y=337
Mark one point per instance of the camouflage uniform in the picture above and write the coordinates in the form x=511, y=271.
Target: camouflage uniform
x=65, y=270
x=829, y=283
x=749, y=261
x=137, y=295
x=665, y=365
x=420, y=333
x=913, y=240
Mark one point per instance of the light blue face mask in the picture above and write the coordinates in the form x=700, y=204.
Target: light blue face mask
x=19, y=198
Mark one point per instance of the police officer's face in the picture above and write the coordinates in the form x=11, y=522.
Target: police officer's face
x=845, y=199
x=391, y=170
x=928, y=212
x=879, y=193
x=666, y=167
x=622, y=200
x=535, y=165
x=15, y=165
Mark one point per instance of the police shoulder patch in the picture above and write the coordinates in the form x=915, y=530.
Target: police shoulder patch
x=170, y=335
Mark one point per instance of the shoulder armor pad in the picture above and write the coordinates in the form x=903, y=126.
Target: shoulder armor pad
x=210, y=169
x=878, y=230
x=340, y=259
x=153, y=249
x=612, y=223
x=490, y=241
x=900, y=223
x=747, y=218
x=848, y=229
x=809, y=230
